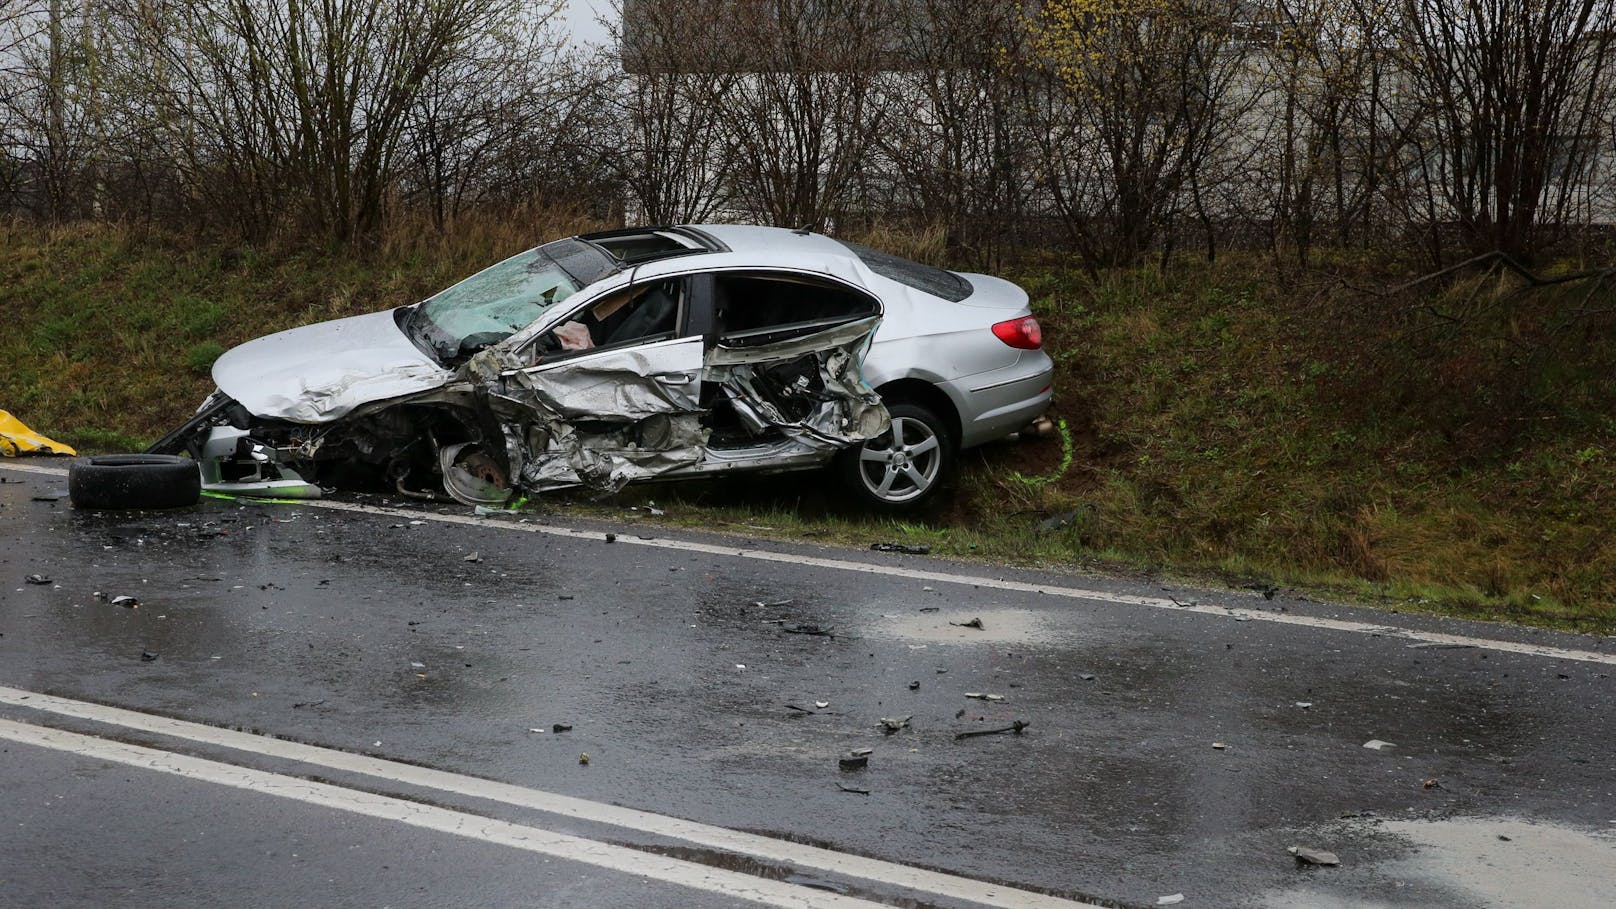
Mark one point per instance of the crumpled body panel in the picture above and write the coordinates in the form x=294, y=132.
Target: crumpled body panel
x=607, y=420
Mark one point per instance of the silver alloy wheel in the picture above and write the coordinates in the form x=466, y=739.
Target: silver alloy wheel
x=901, y=465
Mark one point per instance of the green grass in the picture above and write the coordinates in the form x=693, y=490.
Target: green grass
x=1454, y=453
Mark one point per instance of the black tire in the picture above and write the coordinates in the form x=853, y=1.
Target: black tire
x=905, y=477
x=134, y=481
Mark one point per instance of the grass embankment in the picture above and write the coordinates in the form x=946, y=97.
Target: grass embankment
x=1454, y=451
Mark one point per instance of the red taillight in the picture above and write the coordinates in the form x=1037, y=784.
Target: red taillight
x=1023, y=333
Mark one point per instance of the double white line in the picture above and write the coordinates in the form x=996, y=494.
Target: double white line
x=885, y=875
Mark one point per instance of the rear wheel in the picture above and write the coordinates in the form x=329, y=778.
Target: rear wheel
x=901, y=469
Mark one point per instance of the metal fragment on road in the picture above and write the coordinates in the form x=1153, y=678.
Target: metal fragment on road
x=890, y=725
x=1378, y=745
x=127, y=602
x=856, y=790
x=979, y=696
x=37, y=579
x=1306, y=856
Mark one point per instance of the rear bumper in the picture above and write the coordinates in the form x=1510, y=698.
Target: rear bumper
x=994, y=404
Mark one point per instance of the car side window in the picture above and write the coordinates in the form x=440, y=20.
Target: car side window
x=763, y=309
x=633, y=315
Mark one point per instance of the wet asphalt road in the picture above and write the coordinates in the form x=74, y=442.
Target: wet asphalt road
x=682, y=681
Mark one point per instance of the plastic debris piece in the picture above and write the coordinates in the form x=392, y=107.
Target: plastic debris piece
x=815, y=630
x=37, y=579
x=1304, y=704
x=979, y=696
x=561, y=727
x=1306, y=856
x=584, y=758
x=146, y=656
x=915, y=685
x=905, y=548
x=1378, y=745
x=1014, y=728
x=974, y=623
x=127, y=602
x=1220, y=746
x=472, y=557
x=862, y=752
x=17, y=439
x=416, y=665
x=1170, y=899
x=740, y=667
x=853, y=762
x=1086, y=676
x=822, y=704
x=856, y=790
x=891, y=724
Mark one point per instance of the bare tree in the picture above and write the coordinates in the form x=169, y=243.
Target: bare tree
x=956, y=138
x=1135, y=106
x=1502, y=111
x=672, y=150
x=804, y=115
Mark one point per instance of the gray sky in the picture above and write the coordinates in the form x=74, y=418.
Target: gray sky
x=578, y=16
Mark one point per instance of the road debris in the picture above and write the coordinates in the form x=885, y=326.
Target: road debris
x=561, y=727
x=1304, y=704
x=1432, y=783
x=611, y=538
x=853, y=762
x=973, y=623
x=1220, y=746
x=584, y=759
x=1306, y=856
x=471, y=557
x=1170, y=899
x=1378, y=745
x=127, y=602
x=1086, y=676
x=146, y=656
x=891, y=724
x=979, y=696
x=1441, y=645
x=915, y=685
x=814, y=630
x=905, y=548
x=1014, y=728
x=38, y=579
x=822, y=704
x=862, y=752
x=856, y=790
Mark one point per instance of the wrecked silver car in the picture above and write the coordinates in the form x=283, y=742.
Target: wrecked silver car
x=616, y=357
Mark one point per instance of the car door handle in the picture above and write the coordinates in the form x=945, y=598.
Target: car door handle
x=675, y=378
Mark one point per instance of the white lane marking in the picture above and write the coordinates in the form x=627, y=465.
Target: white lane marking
x=920, y=574
x=621, y=859
x=762, y=847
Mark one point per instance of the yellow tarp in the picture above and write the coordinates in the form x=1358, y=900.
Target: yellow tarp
x=17, y=439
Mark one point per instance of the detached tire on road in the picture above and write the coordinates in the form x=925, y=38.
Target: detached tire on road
x=120, y=481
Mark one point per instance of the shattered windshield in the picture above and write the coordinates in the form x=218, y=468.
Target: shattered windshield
x=500, y=300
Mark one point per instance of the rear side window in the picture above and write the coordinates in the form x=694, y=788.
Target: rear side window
x=935, y=281
x=760, y=310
